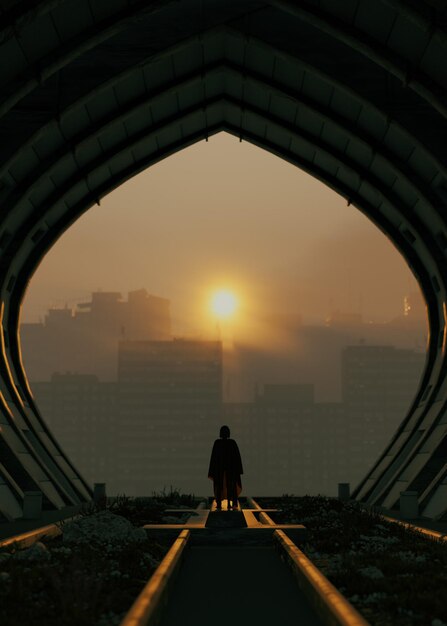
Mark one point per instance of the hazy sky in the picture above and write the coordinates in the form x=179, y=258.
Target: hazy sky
x=226, y=213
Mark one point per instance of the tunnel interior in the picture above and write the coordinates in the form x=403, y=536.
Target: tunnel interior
x=92, y=95
x=295, y=255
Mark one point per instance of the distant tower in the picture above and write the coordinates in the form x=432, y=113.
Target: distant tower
x=414, y=307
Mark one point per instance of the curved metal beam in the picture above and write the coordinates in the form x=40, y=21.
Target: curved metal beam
x=427, y=282
x=174, y=120
x=15, y=18
x=29, y=136
x=364, y=44
x=334, y=184
x=46, y=166
x=437, y=153
x=431, y=488
x=441, y=165
x=427, y=256
x=98, y=33
x=177, y=118
x=424, y=16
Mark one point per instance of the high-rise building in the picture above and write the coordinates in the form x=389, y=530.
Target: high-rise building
x=243, y=420
x=82, y=412
x=276, y=437
x=304, y=446
x=170, y=405
x=154, y=427
x=85, y=340
x=330, y=458
x=415, y=308
x=379, y=384
x=286, y=415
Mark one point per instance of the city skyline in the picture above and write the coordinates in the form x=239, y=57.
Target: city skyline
x=152, y=426
x=223, y=297
x=320, y=256
x=86, y=341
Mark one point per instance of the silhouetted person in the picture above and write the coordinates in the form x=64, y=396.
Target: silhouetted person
x=226, y=469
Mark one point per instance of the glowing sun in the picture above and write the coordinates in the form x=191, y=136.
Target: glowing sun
x=223, y=303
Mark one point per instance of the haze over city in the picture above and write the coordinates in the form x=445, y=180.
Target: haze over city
x=223, y=243
x=225, y=213
x=223, y=394
x=223, y=297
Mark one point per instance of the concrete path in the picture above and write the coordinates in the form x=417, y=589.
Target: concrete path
x=222, y=586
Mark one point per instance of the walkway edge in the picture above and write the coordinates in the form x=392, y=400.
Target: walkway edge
x=26, y=539
x=330, y=605
x=427, y=532
x=145, y=611
x=264, y=518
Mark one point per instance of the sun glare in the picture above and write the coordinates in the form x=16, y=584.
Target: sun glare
x=223, y=303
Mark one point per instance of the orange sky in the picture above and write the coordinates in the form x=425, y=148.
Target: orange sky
x=226, y=213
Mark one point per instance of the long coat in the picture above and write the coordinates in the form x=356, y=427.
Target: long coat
x=226, y=463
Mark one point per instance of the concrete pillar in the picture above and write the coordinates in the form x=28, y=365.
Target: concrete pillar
x=32, y=504
x=408, y=504
x=344, y=491
x=99, y=493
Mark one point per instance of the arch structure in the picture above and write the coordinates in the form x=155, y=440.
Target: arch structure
x=93, y=92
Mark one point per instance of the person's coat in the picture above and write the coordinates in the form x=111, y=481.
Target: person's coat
x=226, y=462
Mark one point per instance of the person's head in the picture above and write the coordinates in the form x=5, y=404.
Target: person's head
x=224, y=432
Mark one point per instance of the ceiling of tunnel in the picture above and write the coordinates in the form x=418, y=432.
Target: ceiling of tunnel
x=103, y=91
x=352, y=92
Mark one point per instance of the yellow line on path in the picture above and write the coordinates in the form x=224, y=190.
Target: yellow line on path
x=27, y=539
x=330, y=604
x=144, y=610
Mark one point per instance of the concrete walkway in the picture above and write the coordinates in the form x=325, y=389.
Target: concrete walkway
x=219, y=586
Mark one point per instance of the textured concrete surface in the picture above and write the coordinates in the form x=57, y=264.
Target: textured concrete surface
x=226, y=519
x=236, y=585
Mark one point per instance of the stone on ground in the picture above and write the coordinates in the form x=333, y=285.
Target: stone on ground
x=103, y=527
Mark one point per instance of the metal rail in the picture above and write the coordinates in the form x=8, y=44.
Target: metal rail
x=330, y=605
x=263, y=516
x=426, y=532
x=24, y=540
x=146, y=609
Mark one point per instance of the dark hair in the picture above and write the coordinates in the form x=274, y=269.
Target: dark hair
x=224, y=432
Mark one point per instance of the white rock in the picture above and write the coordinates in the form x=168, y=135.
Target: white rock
x=374, y=598
x=37, y=552
x=110, y=619
x=372, y=572
x=151, y=560
x=103, y=527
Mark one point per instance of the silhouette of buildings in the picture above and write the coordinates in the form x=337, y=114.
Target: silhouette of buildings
x=86, y=340
x=170, y=400
x=150, y=429
x=153, y=427
x=313, y=351
x=293, y=444
x=148, y=421
x=379, y=384
x=290, y=443
x=82, y=412
x=286, y=419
